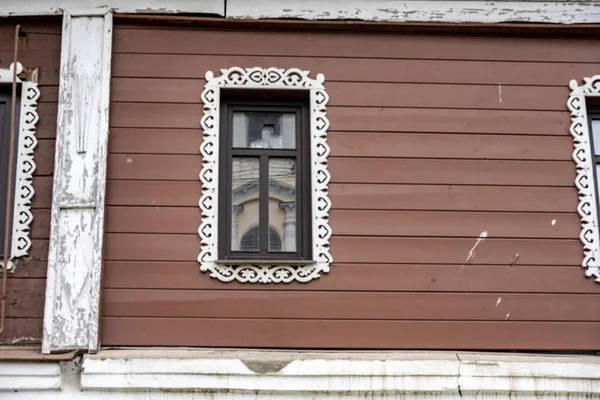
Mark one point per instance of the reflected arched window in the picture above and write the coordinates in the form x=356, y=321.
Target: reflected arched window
x=251, y=240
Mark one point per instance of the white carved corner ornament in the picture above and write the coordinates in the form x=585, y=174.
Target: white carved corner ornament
x=584, y=181
x=269, y=79
x=25, y=165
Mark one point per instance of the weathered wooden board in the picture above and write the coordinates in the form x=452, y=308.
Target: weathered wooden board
x=285, y=304
x=369, y=170
x=344, y=334
x=184, y=220
x=168, y=115
x=475, y=278
x=352, y=69
x=501, y=97
x=25, y=298
x=177, y=247
x=368, y=144
x=370, y=196
x=22, y=331
x=332, y=44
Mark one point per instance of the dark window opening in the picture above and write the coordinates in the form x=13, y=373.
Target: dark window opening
x=264, y=181
x=5, y=117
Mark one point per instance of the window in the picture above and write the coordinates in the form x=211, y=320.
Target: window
x=23, y=164
x=5, y=118
x=585, y=129
x=265, y=204
x=594, y=127
x=265, y=171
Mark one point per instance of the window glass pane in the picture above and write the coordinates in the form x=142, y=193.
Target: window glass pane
x=264, y=130
x=282, y=204
x=596, y=133
x=245, y=229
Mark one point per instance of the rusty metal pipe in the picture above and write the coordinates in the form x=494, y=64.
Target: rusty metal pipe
x=9, y=194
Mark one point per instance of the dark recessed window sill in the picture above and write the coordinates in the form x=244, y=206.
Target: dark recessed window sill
x=266, y=262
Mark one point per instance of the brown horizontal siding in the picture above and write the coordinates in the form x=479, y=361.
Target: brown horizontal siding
x=365, y=278
x=172, y=247
x=39, y=48
x=184, y=220
x=369, y=170
x=368, y=144
x=352, y=69
x=370, y=196
x=379, y=94
x=35, y=264
x=283, y=304
x=46, y=126
x=22, y=331
x=331, y=44
x=344, y=334
x=169, y=115
x=26, y=298
x=431, y=145
x=43, y=192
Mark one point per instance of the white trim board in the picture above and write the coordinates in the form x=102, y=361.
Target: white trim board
x=212, y=374
x=476, y=11
x=56, y=7
x=71, y=313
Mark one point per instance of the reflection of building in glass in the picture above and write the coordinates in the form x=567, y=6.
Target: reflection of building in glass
x=245, y=201
x=264, y=130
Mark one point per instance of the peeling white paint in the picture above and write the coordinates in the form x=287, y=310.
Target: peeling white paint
x=224, y=375
x=499, y=301
x=473, y=252
x=553, y=222
x=500, y=93
x=560, y=12
x=49, y=7
x=507, y=316
x=71, y=314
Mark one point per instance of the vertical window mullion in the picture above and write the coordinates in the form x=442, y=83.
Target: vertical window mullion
x=299, y=187
x=263, y=214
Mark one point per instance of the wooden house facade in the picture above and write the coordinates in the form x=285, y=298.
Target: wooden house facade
x=436, y=193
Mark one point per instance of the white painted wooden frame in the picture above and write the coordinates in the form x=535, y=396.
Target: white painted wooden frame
x=25, y=165
x=584, y=181
x=266, y=79
x=449, y=11
x=72, y=305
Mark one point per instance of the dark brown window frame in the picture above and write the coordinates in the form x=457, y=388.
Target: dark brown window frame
x=301, y=154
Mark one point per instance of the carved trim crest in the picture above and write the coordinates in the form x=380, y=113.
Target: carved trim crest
x=25, y=164
x=264, y=78
x=584, y=180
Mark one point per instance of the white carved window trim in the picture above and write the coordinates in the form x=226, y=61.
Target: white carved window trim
x=267, y=79
x=584, y=181
x=25, y=165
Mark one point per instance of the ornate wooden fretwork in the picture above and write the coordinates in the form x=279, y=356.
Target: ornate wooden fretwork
x=268, y=79
x=583, y=157
x=25, y=165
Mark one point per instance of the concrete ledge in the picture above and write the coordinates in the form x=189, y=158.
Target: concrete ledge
x=206, y=374
x=20, y=375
